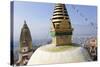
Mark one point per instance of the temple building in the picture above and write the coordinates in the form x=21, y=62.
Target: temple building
x=91, y=46
x=61, y=50
x=61, y=28
x=25, y=50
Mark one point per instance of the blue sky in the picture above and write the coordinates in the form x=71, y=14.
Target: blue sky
x=37, y=16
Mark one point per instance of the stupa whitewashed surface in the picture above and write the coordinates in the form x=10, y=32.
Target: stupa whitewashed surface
x=63, y=54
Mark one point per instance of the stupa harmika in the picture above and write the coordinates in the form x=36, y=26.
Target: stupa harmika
x=61, y=50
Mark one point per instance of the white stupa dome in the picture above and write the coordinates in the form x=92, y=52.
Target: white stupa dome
x=50, y=54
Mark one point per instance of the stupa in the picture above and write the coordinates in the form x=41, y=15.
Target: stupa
x=61, y=50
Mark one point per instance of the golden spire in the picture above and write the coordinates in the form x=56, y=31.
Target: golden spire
x=61, y=29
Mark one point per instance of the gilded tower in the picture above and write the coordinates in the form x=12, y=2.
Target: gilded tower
x=61, y=28
x=25, y=50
